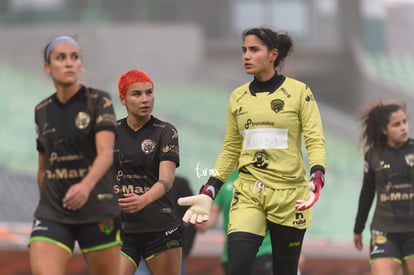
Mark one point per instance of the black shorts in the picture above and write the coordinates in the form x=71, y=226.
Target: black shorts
x=90, y=236
x=397, y=246
x=148, y=244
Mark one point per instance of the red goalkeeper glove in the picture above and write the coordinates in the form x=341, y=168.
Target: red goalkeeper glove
x=316, y=184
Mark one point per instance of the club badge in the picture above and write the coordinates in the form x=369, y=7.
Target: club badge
x=148, y=146
x=277, y=105
x=409, y=159
x=261, y=160
x=106, y=226
x=82, y=120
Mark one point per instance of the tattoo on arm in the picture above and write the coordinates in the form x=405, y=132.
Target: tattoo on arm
x=165, y=184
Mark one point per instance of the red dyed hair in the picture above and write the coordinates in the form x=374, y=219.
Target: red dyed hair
x=130, y=77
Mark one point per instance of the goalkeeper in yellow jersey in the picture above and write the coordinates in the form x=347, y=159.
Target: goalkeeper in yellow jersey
x=266, y=120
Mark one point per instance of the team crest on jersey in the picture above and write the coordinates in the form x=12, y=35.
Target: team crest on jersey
x=106, y=227
x=277, y=105
x=261, y=160
x=82, y=120
x=148, y=146
x=409, y=159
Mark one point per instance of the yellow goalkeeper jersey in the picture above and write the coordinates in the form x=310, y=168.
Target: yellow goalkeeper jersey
x=264, y=133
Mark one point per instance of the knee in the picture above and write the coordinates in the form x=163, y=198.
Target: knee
x=242, y=250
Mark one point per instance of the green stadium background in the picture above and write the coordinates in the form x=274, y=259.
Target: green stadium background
x=348, y=52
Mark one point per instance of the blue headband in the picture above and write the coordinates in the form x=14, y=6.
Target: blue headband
x=57, y=40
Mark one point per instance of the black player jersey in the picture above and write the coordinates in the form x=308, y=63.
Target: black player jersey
x=389, y=173
x=66, y=137
x=137, y=158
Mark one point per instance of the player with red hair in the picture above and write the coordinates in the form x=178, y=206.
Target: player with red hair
x=146, y=156
x=131, y=77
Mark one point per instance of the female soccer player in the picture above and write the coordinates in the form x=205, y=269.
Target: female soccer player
x=266, y=119
x=75, y=137
x=146, y=156
x=388, y=172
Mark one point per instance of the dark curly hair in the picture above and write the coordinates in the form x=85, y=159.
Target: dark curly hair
x=374, y=119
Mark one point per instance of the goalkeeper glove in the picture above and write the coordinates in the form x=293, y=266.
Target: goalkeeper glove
x=200, y=205
x=316, y=183
x=199, y=209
